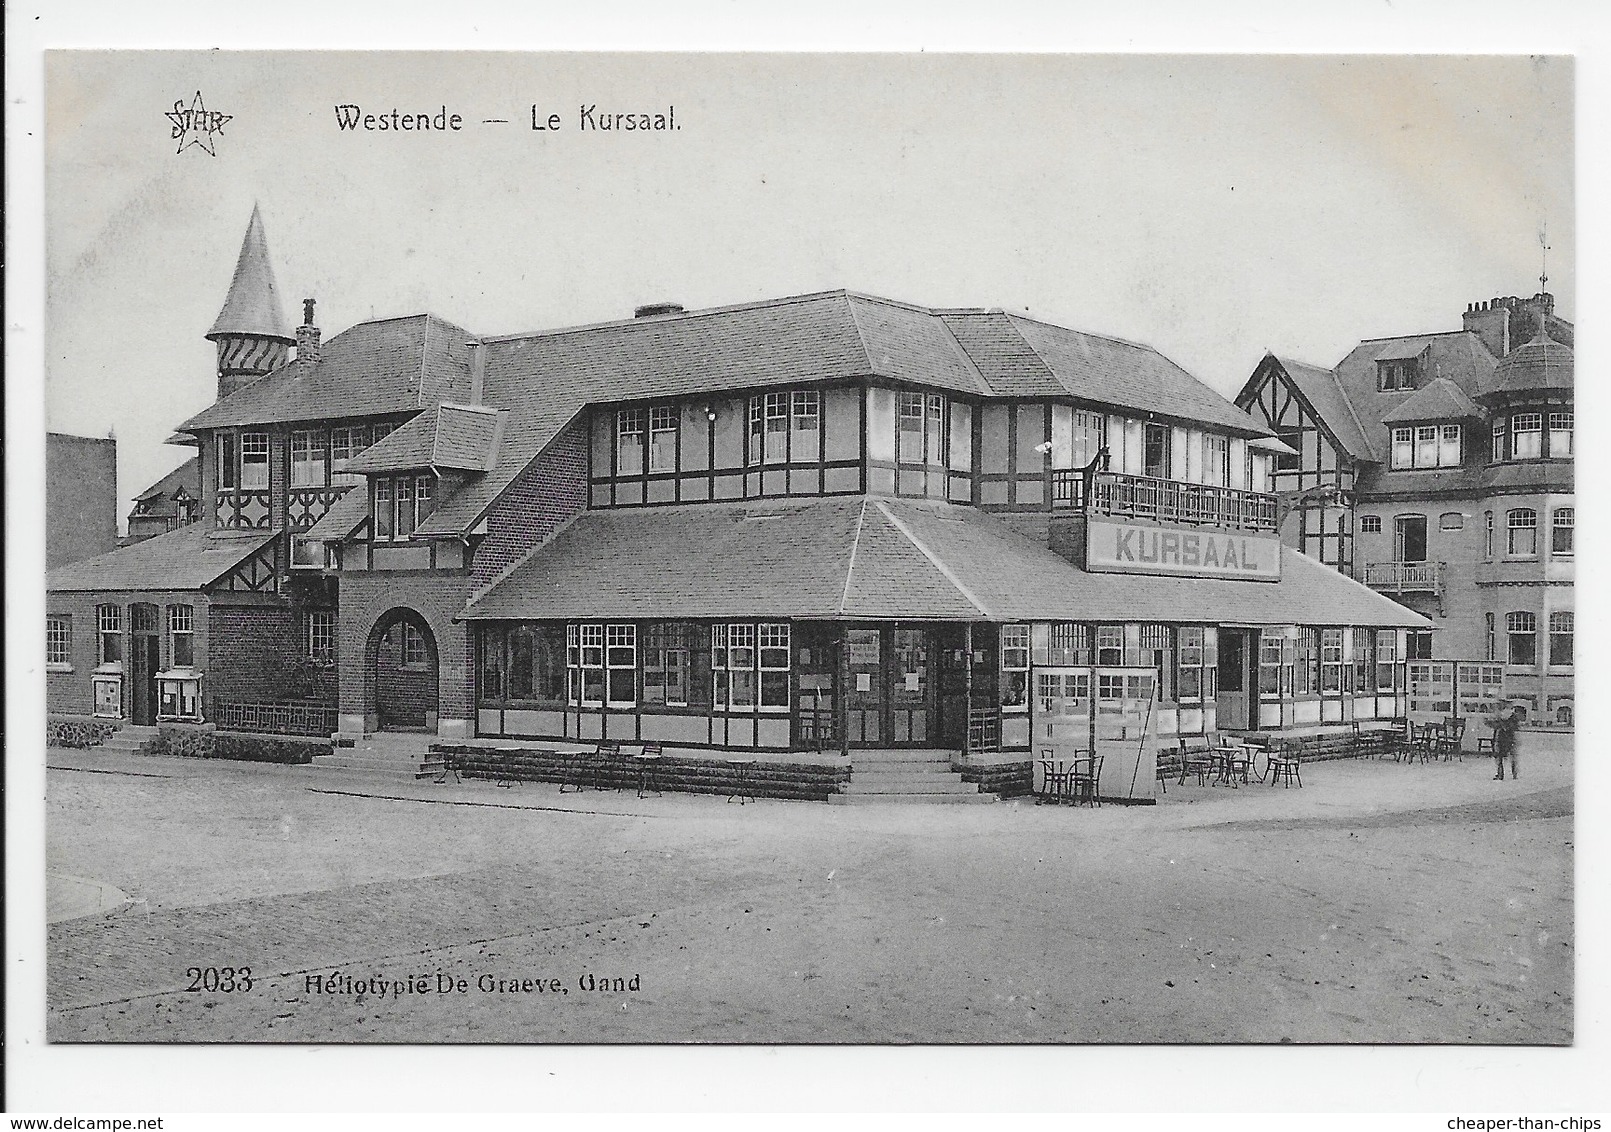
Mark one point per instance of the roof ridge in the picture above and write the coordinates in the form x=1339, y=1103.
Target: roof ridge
x=861, y=336
x=934, y=560
x=729, y=308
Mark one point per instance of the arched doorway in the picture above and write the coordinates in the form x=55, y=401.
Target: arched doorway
x=400, y=672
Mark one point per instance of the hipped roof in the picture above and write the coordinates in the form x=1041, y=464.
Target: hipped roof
x=863, y=558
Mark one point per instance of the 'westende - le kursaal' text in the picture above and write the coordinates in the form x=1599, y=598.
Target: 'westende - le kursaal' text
x=589, y=118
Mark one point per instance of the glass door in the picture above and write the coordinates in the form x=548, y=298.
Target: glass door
x=864, y=698
x=909, y=687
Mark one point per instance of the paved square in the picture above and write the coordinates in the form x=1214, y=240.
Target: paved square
x=1381, y=903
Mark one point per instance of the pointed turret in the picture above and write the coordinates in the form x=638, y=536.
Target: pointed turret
x=252, y=334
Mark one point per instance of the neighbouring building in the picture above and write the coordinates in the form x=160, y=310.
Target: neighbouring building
x=80, y=497
x=828, y=521
x=172, y=502
x=1438, y=469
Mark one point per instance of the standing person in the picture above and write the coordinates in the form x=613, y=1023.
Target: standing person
x=1504, y=724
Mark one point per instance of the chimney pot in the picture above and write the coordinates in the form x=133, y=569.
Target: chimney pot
x=307, y=339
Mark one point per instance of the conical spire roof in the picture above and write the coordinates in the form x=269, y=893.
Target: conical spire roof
x=253, y=305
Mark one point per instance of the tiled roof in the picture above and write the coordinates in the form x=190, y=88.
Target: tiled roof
x=461, y=437
x=1437, y=400
x=879, y=559
x=186, y=475
x=345, y=515
x=1542, y=364
x=1325, y=393
x=1457, y=356
x=389, y=366
x=189, y=558
x=253, y=303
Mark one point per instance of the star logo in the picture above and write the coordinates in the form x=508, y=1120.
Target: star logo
x=195, y=125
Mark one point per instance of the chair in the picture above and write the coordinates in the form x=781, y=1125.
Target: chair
x=1284, y=763
x=743, y=784
x=586, y=765
x=1356, y=737
x=1397, y=741
x=648, y=760
x=1231, y=762
x=1422, y=742
x=1055, y=778
x=1195, y=761
x=1454, y=733
x=1085, y=779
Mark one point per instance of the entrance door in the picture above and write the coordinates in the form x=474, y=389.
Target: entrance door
x=144, y=664
x=1409, y=538
x=950, y=659
x=892, y=687
x=910, y=687
x=865, y=696
x=1233, y=702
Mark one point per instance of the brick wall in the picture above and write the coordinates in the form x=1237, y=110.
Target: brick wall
x=71, y=692
x=366, y=600
x=552, y=490
x=81, y=493
x=251, y=644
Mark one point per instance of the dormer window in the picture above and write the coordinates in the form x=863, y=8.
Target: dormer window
x=402, y=503
x=1395, y=375
x=1427, y=446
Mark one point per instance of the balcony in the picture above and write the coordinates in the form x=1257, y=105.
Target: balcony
x=1165, y=501
x=242, y=509
x=1405, y=577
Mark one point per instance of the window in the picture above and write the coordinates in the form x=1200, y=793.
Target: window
x=1273, y=653
x=1488, y=534
x=1397, y=374
x=1403, y=447
x=402, y=503
x=1089, y=435
x=226, y=461
x=1449, y=446
x=322, y=636
x=629, y=442
x=1522, y=533
x=909, y=428
x=1306, y=663
x=584, y=662
x=1155, y=453
x=773, y=660
x=1331, y=660
x=1560, y=534
x=1451, y=521
x=1501, y=434
x=1364, y=658
x=345, y=443
x=1293, y=461
x=382, y=431
x=1522, y=630
x=1526, y=436
x=254, y=460
x=1386, y=660
x=1070, y=643
x=1370, y=524
x=1560, y=637
x=1216, y=459
x=1196, y=679
x=621, y=662
x=1426, y=446
x=307, y=459
x=59, y=641
x=109, y=631
x=1560, y=435
x=736, y=662
x=1110, y=644
x=536, y=664
x=1157, y=651
x=181, y=636
x=934, y=431
x=666, y=663
x=805, y=437
x=1418, y=644
x=1490, y=643
x=1015, y=666
x=663, y=439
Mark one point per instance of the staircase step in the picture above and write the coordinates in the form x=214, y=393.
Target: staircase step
x=909, y=799
x=902, y=768
x=909, y=784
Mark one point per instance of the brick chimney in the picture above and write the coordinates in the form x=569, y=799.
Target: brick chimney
x=1490, y=321
x=307, y=339
x=478, y=371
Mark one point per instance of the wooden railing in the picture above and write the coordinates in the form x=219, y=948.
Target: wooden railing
x=1405, y=577
x=242, y=509
x=305, y=506
x=275, y=718
x=1170, y=501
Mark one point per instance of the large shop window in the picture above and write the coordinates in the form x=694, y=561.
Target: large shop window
x=59, y=641
x=1275, y=664
x=182, y=636
x=536, y=663
x=402, y=503
x=307, y=459
x=750, y=666
x=1560, y=638
x=667, y=662
x=1521, y=533
x=109, y=634
x=254, y=460
x=1331, y=660
x=1014, y=684
x=1521, y=628
x=1561, y=525
x=584, y=661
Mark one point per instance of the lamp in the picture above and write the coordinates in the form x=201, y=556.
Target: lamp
x=1044, y=447
x=710, y=413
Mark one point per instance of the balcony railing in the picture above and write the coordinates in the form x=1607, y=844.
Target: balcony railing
x=1170, y=501
x=242, y=508
x=1405, y=577
x=305, y=506
x=275, y=718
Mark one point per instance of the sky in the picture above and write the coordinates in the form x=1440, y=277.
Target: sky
x=1214, y=207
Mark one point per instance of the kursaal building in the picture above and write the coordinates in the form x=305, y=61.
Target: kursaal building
x=824, y=523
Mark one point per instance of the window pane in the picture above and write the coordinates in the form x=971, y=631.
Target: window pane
x=1561, y=531
x=254, y=460
x=909, y=428
x=405, y=506
x=1403, y=447
x=662, y=439
x=629, y=442
x=777, y=428
x=1426, y=446
x=805, y=445
x=1449, y=446
x=1560, y=434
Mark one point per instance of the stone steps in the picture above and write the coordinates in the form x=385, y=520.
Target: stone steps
x=974, y=798
x=905, y=777
x=129, y=739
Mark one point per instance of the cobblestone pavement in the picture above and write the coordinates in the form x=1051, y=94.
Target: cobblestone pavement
x=1254, y=915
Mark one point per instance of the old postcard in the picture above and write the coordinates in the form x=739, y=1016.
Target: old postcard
x=875, y=549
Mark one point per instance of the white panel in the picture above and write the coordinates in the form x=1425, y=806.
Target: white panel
x=543, y=723
x=1331, y=711
x=590, y=726
x=1015, y=731
x=741, y=732
x=676, y=728
x=961, y=436
x=1270, y=715
x=1238, y=463
x=1115, y=431
x=1306, y=711
x=617, y=726
x=487, y=723
x=1135, y=452
x=1194, y=456
x=1168, y=721
x=1062, y=436
x=772, y=732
